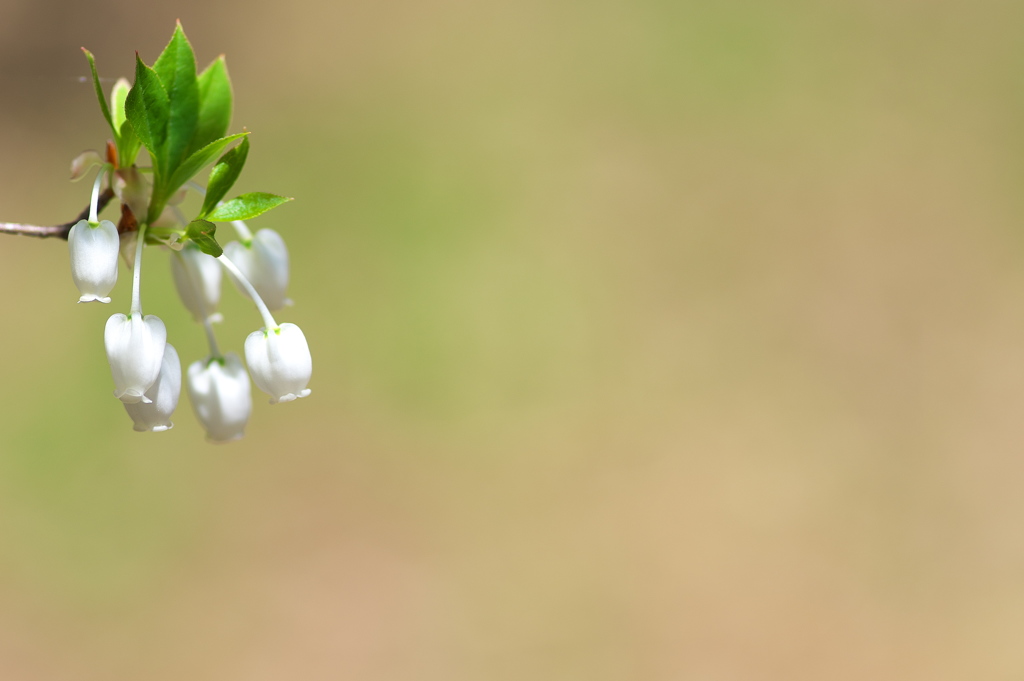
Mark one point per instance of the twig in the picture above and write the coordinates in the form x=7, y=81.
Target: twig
x=59, y=231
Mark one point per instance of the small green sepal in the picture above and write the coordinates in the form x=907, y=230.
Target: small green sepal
x=202, y=234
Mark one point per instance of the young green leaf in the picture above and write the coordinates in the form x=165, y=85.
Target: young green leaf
x=99, y=91
x=203, y=234
x=246, y=207
x=117, y=96
x=129, y=145
x=199, y=160
x=127, y=142
x=147, y=108
x=176, y=68
x=224, y=174
x=214, y=104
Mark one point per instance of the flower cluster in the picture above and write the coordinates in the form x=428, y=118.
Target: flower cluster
x=181, y=119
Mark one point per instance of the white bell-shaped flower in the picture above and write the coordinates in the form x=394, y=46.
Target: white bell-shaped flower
x=279, y=362
x=221, y=396
x=135, y=350
x=163, y=395
x=94, y=250
x=265, y=264
x=197, y=277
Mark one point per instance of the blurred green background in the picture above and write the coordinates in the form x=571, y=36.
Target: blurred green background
x=652, y=340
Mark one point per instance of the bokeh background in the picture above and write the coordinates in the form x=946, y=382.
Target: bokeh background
x=652, y=340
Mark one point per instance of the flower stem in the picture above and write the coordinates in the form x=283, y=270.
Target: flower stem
x=137, y=273
x=268, y=319
x=94, y=213
x=211, y=339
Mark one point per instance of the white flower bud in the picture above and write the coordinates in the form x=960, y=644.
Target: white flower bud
x=94, y=250
x=279, y=362
x=221, y=396
x=155, y=415
x=197, y=278
x=265, y=265
x=135, y=350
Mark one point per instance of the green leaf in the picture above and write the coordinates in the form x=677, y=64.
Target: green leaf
x=176, y=68
x=199, y=160
x=99, y=91
x=147, y=108
x=117, y=96
x=246, y=207
x=128, y=143
x=224, y=174
x=214, y=104
x=202, y=233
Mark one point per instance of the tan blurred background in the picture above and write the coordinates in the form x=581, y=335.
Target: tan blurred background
x=652, y=340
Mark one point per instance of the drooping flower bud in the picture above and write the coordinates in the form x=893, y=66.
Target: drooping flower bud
x=135, y=350
x=83, y=163
x=197, y=277
x=221, y=396
x=94, y=250
x=279, y=362
x=163, y=395
x=265, y=264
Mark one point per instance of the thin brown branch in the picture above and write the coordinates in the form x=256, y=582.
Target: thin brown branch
x=59, y=231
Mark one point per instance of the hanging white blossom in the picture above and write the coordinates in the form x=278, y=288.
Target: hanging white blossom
x=155, y=415
x=94, y=250
x=197, y=278
x=264, y=262
x=221, y=396
x=135, y=349
x=279, y=362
